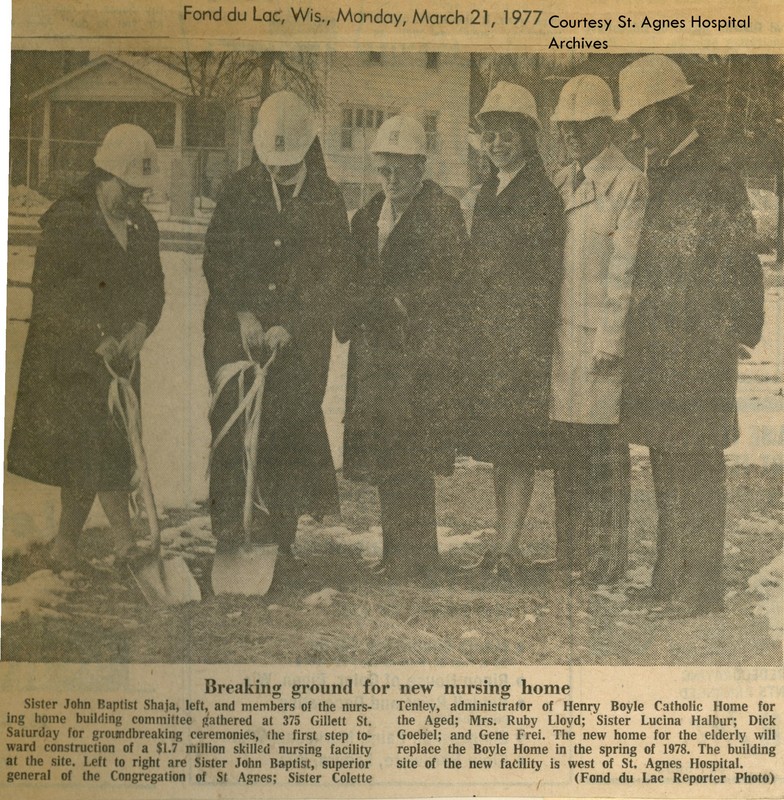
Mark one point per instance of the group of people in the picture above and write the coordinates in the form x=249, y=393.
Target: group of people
x=601, y=308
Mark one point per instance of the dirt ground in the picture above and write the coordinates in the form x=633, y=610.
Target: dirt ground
x=457, y=617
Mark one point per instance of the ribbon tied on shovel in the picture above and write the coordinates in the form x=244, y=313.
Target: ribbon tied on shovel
x=249, y=571
x=162, y=581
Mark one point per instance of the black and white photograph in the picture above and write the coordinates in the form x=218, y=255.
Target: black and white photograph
x=394, y=357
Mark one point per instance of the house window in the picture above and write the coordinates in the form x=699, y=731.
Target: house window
x=431, y=60
x=78, y=126
x=374, y=57
x=347, y=129
x=431, y=131
x=88, y=121
x=356, y=120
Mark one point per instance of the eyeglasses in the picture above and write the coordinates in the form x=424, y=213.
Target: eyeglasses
x=574, y=129
x=507, y=136
x=388, y=172
x=137, y=192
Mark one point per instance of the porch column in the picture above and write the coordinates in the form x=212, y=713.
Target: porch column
x=44, y=152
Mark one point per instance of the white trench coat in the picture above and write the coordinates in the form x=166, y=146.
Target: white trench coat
x=604, y=216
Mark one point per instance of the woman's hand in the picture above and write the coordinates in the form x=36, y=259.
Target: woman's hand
x=133, y=341
x=277, y=337
x=108, y=349
x=251, y=331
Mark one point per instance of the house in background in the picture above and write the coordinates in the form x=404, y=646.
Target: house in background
x=363, y=89
x=360, y=91
x=70, y=115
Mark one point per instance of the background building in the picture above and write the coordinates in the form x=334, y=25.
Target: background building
x=204, y=137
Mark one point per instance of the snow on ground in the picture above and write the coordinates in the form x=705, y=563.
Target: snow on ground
x=175, y=400
x=176, y=397
x=175, y=390
x=38, y=595
x=764, y=205
x=769, y=581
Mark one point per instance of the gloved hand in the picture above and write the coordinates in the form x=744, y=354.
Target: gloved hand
x=277, y=337
x=108, y=349
x=251, y=331
x=133, y=341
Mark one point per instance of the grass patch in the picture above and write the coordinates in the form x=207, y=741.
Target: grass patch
x=454, y=618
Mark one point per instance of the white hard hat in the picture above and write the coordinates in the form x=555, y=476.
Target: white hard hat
x=401, y=134
x=649, y=80
x=284, y=131
x=510, y=98
x=128, y=152
x=582, y=98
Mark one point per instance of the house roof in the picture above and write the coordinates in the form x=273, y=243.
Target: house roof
x=156, y=72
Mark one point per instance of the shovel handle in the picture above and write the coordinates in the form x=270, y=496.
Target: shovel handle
x=252, y=433
x=145, y=486
x=133, y=428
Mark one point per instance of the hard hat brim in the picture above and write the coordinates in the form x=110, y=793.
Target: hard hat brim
x=486, y=111
x=136, y=181
x=581, y=117
x=277, y=159
x=387, y=152
x=630, y=110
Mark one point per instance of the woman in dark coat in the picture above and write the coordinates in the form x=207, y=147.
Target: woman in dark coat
x=276, y=249
x=402, y=377
x=517, y=235
x=97, y=294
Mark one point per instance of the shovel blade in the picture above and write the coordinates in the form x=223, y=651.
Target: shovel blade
x=166, y=582
x=247, y=571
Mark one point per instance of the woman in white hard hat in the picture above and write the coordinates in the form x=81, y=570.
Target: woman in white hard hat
x=97, y=295
x=410, y=243
x=604, y=196
x=517, y=233
x=276, y=249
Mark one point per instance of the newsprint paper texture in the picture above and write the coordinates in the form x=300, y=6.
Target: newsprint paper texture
x=562, y=665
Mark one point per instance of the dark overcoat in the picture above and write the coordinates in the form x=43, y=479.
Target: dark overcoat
x=402, y=373
x=287, y=269
x=697, y=294
x=85, y=286
x=517, y=239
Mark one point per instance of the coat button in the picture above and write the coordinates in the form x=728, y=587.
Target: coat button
x=272, y=287
x=278, y=243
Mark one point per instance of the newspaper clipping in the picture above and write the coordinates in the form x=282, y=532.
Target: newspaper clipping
x=394, y=400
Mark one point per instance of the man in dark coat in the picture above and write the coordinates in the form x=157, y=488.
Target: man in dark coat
x=400, y=406
x=697, y=297
x=517, y=236
x=97, y=295
x=276, y=248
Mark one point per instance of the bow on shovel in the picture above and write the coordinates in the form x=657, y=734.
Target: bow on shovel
x=249, y=569
x=162, y=581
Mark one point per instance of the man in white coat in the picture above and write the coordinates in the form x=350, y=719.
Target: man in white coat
x=604, y=198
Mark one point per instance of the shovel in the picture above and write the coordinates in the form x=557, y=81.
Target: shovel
x=249, y=569
x=162, y=581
